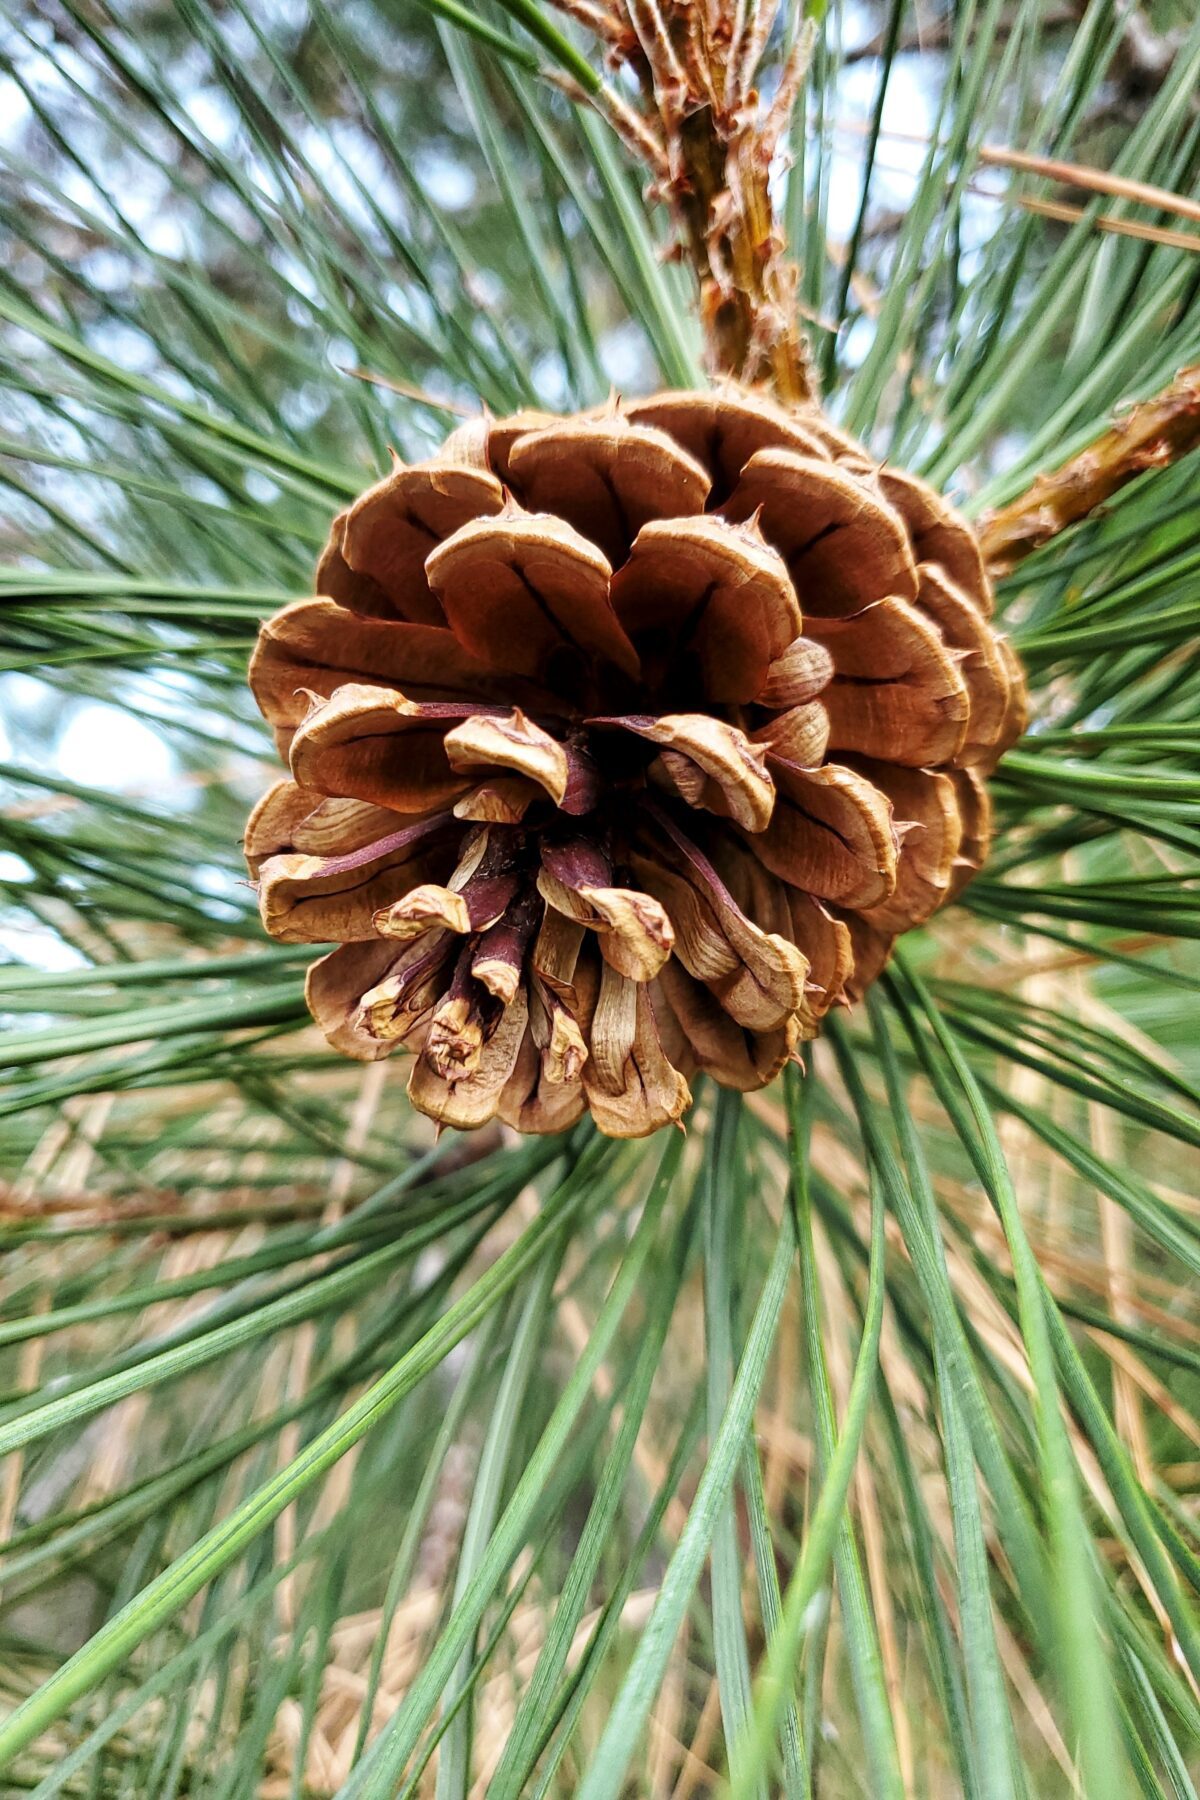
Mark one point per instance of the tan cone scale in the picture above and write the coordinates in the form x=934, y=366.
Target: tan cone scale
x=623, y=746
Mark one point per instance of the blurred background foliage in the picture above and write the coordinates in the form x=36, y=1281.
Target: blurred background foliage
x=849, y=1445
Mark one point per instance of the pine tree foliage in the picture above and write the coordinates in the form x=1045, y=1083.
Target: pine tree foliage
x=849, y=1443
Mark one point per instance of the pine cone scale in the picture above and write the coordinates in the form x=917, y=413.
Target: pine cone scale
x=389, y=534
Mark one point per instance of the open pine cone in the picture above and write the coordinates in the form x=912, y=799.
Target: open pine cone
x=623, y=746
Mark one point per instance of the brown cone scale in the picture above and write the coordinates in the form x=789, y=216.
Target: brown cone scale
x=623, y=746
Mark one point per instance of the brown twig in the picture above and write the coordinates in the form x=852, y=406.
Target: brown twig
x=436, y=402
x=1149, y=436
x=1066, y=214
x=1069, y=174
x=1098, y=181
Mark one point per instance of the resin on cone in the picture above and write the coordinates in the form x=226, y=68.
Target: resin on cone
x=623, y=746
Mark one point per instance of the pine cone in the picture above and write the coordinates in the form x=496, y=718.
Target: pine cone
x=623, y=746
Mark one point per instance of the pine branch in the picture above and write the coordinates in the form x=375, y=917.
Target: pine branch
x=1152, y=435
x=709, y=143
